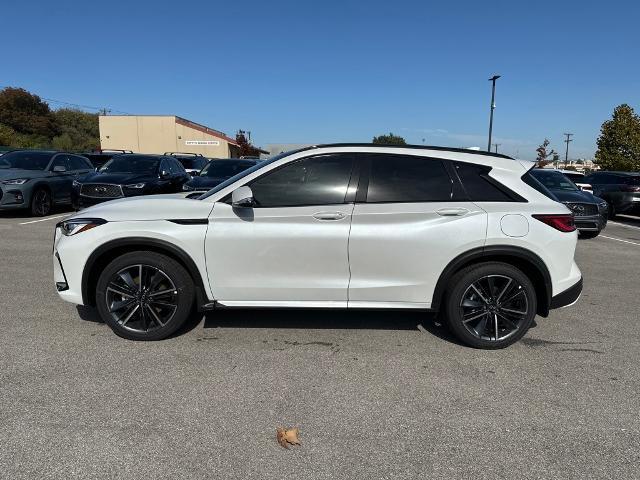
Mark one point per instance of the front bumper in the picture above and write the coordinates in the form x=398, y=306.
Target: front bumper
x=14, y=197
x=591, y=223
x=567, y=297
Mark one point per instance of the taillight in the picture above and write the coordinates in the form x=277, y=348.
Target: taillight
x=562, y=222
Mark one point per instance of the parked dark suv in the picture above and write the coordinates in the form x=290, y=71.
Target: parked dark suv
x=590, y=212
x=39, y=179
x=621, y=190
x=192, y=162
x=99, y=157
x=128, y=175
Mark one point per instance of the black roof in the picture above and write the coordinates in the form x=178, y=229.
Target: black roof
x=631, y=174
x=421, y=147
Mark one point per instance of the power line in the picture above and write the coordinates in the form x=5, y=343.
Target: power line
x=102, y=110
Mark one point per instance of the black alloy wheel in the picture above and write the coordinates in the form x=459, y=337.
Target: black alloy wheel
x=144, y=295
x=490, y=305
x=41, y=203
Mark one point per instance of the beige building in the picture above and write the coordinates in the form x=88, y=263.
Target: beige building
x=163, y=133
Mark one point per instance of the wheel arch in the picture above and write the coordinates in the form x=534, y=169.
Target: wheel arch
x=108, y=251
x=530, y=264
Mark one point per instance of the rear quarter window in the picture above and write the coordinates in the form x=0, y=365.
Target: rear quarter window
x=479, y=186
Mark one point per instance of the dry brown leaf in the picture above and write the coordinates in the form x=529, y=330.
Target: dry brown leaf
x=287, y=436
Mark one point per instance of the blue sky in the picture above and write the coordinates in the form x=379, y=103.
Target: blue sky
x=332, y=71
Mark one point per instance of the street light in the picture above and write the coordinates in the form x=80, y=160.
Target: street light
x=493, y=106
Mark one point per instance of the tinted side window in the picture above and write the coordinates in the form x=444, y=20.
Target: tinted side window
x=78, y=163
x=179, y=168
x=59, y=160
x=165, y=166
x=478, y=185
x=320, y=180
x=600, y=178
x=405, y=179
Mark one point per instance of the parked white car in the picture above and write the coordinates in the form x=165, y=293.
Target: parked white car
x=336, y=226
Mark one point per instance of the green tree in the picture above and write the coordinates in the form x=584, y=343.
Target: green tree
x=390, y=139
x=26, y=113
x=79, y=129
x=619, y=141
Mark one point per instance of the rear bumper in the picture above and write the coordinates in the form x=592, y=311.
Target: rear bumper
x=567, y=297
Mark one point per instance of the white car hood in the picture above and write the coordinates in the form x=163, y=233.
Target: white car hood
x=149, y=207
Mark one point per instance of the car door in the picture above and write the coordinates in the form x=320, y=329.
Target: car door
x=60, y=181
x=181, y=176
x=407, y=225
x=291, y=247
x=165, y=174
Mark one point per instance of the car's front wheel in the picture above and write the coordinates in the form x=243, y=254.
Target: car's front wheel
x=144, y=295
x=590, y=234
x=41, y=203
x=490, y=305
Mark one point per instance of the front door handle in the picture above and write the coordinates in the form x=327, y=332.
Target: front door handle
x=329, y=215
x=452, y=212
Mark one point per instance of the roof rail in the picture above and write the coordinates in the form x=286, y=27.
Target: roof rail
x=183, y=153
x=422, y=147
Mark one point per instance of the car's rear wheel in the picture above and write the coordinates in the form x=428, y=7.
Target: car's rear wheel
x=490, y=305
x=41, y=203
x=612, y=211
x=144, y=295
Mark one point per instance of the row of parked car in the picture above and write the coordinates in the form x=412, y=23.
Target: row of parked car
x=38, y=180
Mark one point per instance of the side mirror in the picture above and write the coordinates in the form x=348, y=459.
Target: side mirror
x=164, y=174
x=195, y=174
x=242, y=197
x=59, y=169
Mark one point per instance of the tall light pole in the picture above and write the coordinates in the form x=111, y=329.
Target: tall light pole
x=493, y=106
x=566, y=153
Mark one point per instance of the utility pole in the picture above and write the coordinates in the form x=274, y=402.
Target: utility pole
x=496, y=145
x=105, y=111
x=566, y=153
x=493, y=106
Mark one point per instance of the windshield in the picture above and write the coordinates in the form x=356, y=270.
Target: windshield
x=192, y=163
x=555, y=180
x=25, y=160
x=244, y=173
x=131, y=164
x=225, y=168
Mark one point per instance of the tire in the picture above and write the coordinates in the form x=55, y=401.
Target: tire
x=165, y=302
x=41, y=202
x=486, y=292
x=588, y=235
x=612, y=212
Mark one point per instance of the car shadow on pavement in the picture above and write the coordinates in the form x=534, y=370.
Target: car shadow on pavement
x=334, y=319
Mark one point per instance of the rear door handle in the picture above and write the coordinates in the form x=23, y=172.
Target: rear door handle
x=329, y=215
x=452, y=212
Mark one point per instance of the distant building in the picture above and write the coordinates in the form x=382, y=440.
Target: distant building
x=163, y=133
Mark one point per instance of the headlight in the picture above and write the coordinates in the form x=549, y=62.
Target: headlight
x=77, y=225
x=16, y=181
x=187, y=188
x=75, y=183
x=135, y=185
x=603, y=205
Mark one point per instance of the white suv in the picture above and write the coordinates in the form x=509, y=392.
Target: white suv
x=467, y=233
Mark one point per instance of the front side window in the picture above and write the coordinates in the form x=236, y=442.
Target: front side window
x=408, y=179
x=78, y=163
x=319, y=180
x=225, y=168
x=60, y=161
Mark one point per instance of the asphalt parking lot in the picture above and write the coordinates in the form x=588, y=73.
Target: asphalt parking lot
x=375, y=394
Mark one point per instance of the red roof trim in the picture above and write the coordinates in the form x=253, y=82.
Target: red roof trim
x=203, y=129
